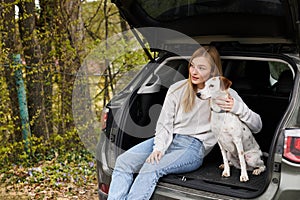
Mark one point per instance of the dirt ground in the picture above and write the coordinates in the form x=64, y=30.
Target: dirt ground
x=29, y=193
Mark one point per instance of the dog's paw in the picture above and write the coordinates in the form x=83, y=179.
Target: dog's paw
x=256, y=172
x=259, y=170
x=225, y=173
x=244, y=178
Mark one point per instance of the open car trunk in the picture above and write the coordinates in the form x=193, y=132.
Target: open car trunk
x=256, y=21
x=264, y=85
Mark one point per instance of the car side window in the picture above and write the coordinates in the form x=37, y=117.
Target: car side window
x=260, y=77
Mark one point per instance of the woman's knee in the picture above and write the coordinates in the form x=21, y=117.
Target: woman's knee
x=130, y=162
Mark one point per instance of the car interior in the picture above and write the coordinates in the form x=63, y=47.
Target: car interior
x=264, y=85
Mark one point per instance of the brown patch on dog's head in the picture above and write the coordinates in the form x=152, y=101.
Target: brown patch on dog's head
x=225, y=83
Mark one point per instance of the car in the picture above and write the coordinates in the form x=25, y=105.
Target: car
x=258, y=41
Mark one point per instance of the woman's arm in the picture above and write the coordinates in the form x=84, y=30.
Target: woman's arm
x=246, y=115
x=164, y=127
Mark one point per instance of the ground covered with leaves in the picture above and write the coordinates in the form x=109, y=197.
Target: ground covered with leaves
x=60, y=171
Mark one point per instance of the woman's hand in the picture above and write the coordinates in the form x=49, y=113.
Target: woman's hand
x=155, y=156
x=225, y=104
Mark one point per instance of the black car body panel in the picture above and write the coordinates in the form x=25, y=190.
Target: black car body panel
x=274, y=21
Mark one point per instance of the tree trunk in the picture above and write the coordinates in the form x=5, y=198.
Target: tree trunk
x=34, y=75
x=74, y=35
x=8, y=35
x=46, y=26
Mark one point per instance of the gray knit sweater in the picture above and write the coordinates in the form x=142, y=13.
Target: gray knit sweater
x=196, y=123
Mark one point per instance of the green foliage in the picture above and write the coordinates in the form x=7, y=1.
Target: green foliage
x=6, y=122
x=40, y=150
x=57, y=158
x=66, y=165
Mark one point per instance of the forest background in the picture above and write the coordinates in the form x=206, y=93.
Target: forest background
x=43, y=45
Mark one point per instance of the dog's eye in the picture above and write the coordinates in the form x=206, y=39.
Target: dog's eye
x=211, y=86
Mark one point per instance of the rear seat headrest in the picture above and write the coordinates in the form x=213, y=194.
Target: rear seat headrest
x=285, y=83
x=258, y=73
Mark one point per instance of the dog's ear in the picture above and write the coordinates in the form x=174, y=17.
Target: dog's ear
x=225, y=83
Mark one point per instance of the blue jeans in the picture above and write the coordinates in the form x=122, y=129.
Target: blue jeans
x=185, y=154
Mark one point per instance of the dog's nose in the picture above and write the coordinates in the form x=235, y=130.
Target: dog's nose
x=198, y=94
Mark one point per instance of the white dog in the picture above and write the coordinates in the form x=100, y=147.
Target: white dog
x=237, y=144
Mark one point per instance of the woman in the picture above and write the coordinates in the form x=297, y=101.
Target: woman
x=183, y=135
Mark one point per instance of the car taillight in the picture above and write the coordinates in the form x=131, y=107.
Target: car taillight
x=104, y=188
x=292, y=145
x=104, y=118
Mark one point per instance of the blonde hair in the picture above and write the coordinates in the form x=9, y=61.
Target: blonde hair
x=213, y=56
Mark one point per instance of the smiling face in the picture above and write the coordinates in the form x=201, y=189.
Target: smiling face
x=200, y=70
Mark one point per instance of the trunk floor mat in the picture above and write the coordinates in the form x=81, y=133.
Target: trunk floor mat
x=208, y=177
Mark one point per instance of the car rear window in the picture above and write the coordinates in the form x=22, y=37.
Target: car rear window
x=177, y=9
